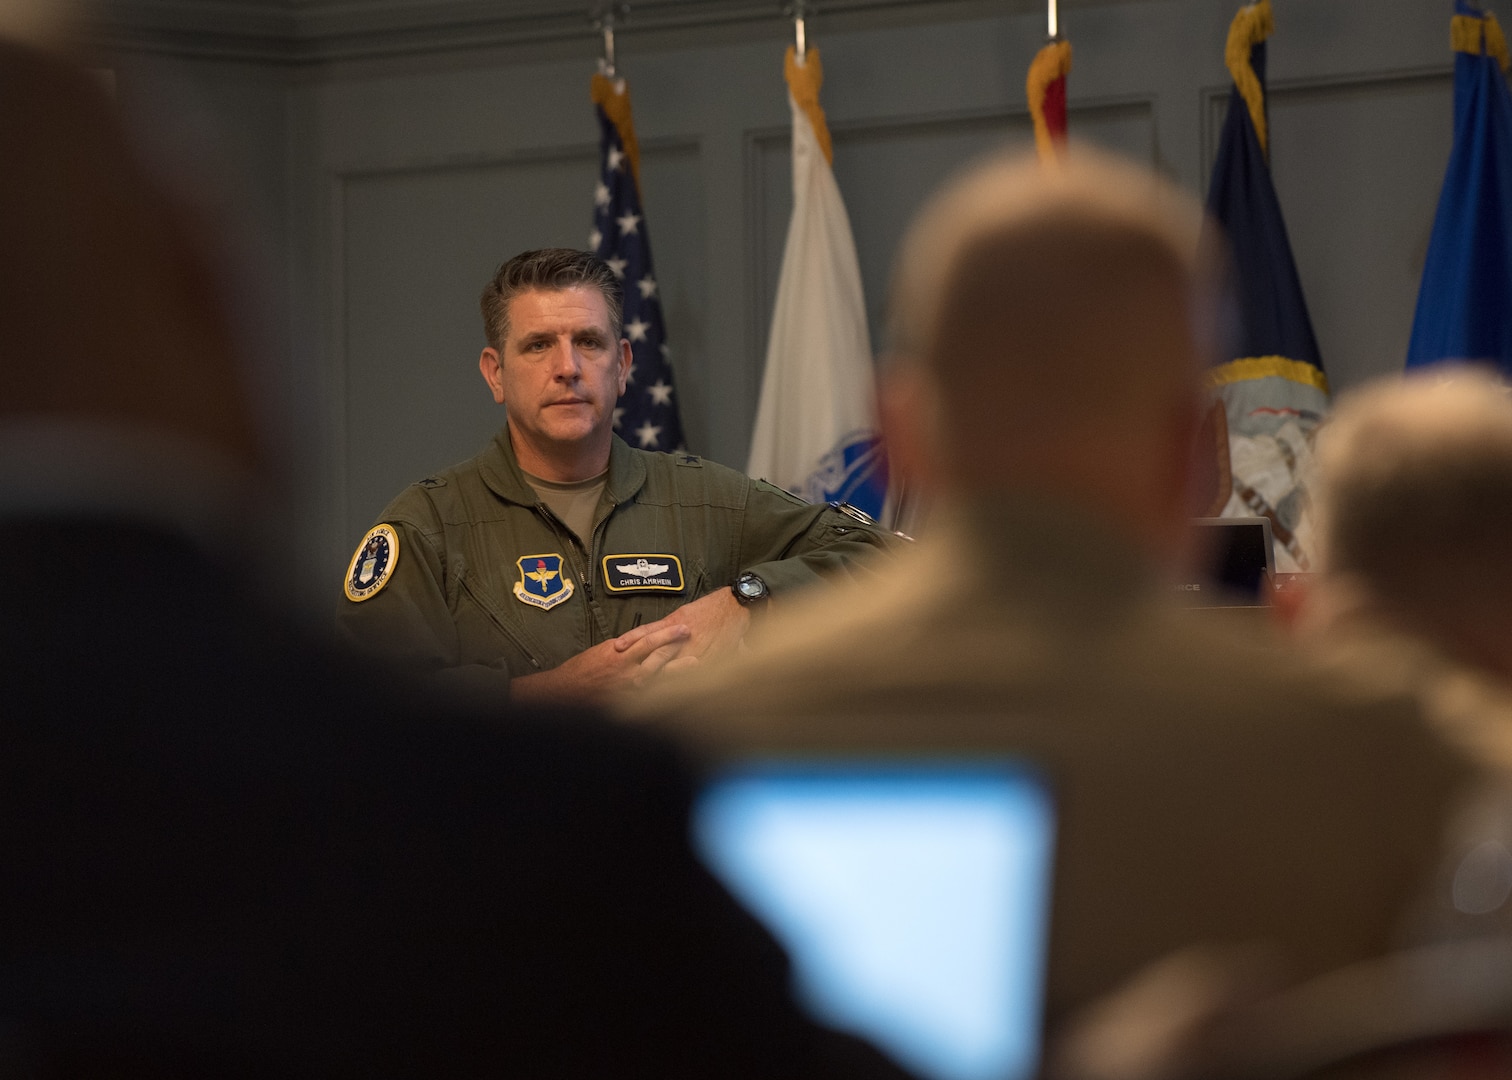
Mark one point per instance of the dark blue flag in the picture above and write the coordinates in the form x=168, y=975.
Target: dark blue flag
x=1273, y=387
x=646, y=415
x=1464, y=308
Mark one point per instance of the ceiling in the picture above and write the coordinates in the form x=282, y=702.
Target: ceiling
x=303, y=31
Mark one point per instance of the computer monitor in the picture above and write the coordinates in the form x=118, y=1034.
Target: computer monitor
x=913, y=898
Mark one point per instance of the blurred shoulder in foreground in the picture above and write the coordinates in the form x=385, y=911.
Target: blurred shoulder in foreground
x=1414, y=508
x=229, y=851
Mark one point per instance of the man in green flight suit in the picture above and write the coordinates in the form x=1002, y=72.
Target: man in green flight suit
x=560, y=562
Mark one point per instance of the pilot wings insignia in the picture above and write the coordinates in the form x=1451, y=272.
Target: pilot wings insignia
x=542, y=583
x=643, y=573
x=643, y=568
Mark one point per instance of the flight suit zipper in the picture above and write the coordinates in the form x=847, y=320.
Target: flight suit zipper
x=594, y=540
x=573, y=546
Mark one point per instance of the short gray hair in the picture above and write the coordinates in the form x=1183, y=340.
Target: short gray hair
x=1011, y=194
x=551, y=269
x=1414, y=495
x=1049, y=281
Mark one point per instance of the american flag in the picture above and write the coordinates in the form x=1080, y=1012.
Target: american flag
x=646, y=414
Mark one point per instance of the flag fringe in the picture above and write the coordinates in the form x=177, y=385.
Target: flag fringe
x=613, y=96
x=804, y=81
x=1479, y=37
x=1050, y=63
x=1252, y=25
x=1262, y=367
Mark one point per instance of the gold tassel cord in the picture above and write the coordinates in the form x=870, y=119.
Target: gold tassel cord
x=1050, y=63
x=1252, y=25
x=613, y=96
x=804, y=81
x=1479, y=37
x=1261, y=367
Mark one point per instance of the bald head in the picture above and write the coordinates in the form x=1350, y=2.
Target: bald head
x=1414, y=502
x=1061, y=318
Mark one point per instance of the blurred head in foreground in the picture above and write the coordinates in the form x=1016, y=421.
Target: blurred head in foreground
x=1048, y=327
x=110, y=316
x=231, y=852
x=1414, y=498
x=1050, y=331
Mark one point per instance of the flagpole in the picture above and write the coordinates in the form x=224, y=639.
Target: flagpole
x=603, y=21
x=800, y=10
x=1053, y=18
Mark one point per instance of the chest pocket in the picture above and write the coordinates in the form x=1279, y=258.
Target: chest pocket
x=493, y=622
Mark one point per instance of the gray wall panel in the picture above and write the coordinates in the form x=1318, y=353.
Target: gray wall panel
x=1358, y=168
x=676, y=216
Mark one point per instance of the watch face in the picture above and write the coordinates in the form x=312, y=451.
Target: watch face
x=750, y=587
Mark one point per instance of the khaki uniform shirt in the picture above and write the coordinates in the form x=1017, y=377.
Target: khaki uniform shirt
x=1211, y=785
x=487, y=584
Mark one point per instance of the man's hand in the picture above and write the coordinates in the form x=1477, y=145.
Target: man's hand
x=609, y=667
x=708, y=626
x=716, y=624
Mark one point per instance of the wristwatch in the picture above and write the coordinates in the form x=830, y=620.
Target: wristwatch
x=749, y=589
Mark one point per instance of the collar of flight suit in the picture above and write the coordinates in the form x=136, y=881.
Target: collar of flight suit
x=501, y=472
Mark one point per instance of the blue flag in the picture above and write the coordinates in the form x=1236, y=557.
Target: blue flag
x=1273, y=387
x=1464, y=308
x=646, y=414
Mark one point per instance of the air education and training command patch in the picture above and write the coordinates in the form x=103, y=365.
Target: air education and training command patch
x=542, y=583
x=643, y=573
x=373, y=564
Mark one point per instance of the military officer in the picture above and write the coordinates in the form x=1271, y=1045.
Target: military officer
x=560, y=562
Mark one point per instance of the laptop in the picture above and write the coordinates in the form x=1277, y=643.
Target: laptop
x=912, y=896
x=1237, y=564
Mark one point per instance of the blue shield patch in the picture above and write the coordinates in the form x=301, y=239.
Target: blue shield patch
x=542, y=583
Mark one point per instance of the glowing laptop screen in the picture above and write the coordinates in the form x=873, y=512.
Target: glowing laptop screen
x=912, y=898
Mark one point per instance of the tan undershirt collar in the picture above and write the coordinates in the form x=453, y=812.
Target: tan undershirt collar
x=573, y=503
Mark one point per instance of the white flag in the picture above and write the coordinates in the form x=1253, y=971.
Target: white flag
x=816, y=428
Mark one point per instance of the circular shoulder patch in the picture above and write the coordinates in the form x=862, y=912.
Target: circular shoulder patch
x=373, y=564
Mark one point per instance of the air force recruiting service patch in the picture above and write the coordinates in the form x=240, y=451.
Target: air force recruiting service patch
x=542, y=583
x=373, y=564
x=643, y=573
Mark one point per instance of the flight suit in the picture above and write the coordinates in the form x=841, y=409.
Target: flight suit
x=487, y=584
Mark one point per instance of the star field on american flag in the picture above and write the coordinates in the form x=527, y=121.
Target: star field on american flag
x=647, y=415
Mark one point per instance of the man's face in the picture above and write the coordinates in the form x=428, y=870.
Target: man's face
x=559, y=372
